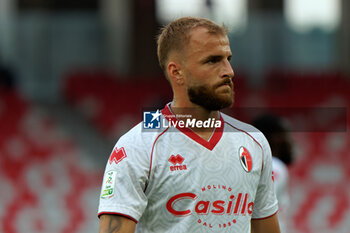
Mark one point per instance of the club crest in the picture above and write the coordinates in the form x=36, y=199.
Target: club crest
x=246, y=159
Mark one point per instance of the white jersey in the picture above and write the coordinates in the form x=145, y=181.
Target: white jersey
x=172, y=180
x=281, y=177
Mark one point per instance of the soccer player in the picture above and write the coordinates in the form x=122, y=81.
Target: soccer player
x=276, y=132
x=200, y=170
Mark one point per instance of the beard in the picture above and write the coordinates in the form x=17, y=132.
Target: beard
x=206, y=97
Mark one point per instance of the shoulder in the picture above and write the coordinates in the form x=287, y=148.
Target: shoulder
x=233, y=122
x=140, y=137
x=248, y=129
x=135, y=148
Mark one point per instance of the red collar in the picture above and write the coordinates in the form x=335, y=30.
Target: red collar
x=214, y=139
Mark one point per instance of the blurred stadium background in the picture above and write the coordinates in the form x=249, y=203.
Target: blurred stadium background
x=75, y=75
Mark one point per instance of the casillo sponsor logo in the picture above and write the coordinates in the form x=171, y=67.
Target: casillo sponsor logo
x=234, y=205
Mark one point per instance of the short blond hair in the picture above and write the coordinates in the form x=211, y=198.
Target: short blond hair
x=175, y=36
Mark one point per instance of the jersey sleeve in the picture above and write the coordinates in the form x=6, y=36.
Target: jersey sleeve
x=125, y=179
x=266, y=203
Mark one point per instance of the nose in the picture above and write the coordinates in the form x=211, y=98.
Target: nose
x=227, y=70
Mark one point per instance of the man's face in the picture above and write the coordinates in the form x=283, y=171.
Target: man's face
x=208, y=71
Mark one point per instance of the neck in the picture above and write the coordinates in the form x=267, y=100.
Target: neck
x=195, y=112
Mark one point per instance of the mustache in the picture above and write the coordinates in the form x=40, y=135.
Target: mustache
x=226, y=81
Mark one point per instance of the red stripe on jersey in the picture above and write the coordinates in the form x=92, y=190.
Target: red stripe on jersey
x=265, y=217
x=116, y=213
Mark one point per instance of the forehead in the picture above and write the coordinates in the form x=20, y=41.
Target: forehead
x=201, y=41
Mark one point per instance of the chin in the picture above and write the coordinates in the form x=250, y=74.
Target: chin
x=226, y=103
x=227, y=98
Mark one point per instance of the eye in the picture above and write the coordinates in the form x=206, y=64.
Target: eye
x=213, y=59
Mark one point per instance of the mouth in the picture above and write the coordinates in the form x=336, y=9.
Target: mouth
x=226, y=82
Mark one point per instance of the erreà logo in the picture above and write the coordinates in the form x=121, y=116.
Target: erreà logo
x=245, y=158
x=117, y=155
x=177, y=161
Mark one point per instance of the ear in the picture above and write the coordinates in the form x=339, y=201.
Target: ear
x=175, y=73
